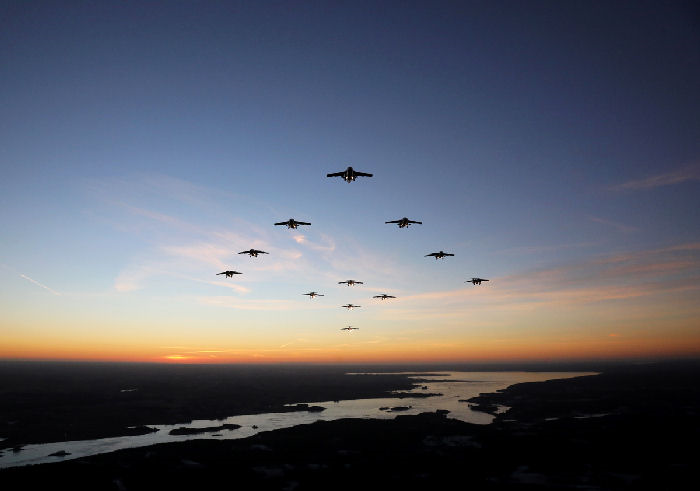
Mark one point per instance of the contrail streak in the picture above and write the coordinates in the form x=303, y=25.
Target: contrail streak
x=39, y=284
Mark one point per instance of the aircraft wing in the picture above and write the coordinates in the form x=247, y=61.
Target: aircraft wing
x=303, y=223
x=359, y=282
x=281, y=223
x=363, y=174
x=335, y=174
x=393, y=221
x=414, y=221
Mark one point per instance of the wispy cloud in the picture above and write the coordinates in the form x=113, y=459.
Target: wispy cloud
x=326, y=245
x=652, y=275
x=621, y=227
x=40, y=284
x=225, y=284
x=687, y=173
x=207, y=253
x=134, y=277
x=162, y=218
x=539, y=249
x=161, y=186
x=257, y=304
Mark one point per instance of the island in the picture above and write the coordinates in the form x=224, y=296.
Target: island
x=196, y=431
x=60, y=453
x=306, y=407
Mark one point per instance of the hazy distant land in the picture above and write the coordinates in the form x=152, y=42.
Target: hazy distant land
x=629, y=428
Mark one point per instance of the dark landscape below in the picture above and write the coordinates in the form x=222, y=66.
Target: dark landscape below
x=631, y=427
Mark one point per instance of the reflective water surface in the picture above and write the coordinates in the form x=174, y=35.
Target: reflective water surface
x=453, y=387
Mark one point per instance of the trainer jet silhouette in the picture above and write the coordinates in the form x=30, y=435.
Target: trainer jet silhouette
x=351, y=282
x=292, y=223
x=229, y=274
x=350, y=306
x=439, y=255
x=313, y=294
x=349, y=174
x=476, y=281
x=349, y=328
x=253, y=252
x=404, y=222
x=383, y=296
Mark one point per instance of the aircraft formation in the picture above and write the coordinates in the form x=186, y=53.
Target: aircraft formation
x=349, y=175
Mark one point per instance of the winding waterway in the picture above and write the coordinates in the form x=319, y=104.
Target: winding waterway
x=454, y=388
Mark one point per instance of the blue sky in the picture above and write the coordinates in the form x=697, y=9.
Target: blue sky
x=144, y=143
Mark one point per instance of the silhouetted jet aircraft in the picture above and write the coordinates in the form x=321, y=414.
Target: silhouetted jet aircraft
x=292, y=223
x=349, y=174
x=476, y=281
x=351, y=282
x=349, y=328
x=404, y=222
x=439, y=255
x=313, y=294
x=229, y=274
x=350, y=306
x=253, y=252
x=383, y=296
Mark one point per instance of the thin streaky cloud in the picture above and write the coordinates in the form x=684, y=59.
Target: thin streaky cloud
x=621, y=227
x=545, y=248
x=295, y=341
x=522, y=300
x=160, y=185
x=327, y=246
x=232, y=286
x=687, y=173
x=40, y=284
x=157, y=216
x=207, y=253
x=642, y=255
x=651, y=274
x=134, y=278
x=262, y=305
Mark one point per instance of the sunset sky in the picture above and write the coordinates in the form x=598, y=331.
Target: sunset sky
x=553, y=147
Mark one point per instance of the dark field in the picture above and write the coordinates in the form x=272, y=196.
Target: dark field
x=629, y=428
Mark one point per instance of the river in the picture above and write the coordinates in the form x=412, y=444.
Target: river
x=453, y=387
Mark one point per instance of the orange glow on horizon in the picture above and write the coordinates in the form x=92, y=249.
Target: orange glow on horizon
x=652, y=348
x=391, y=343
